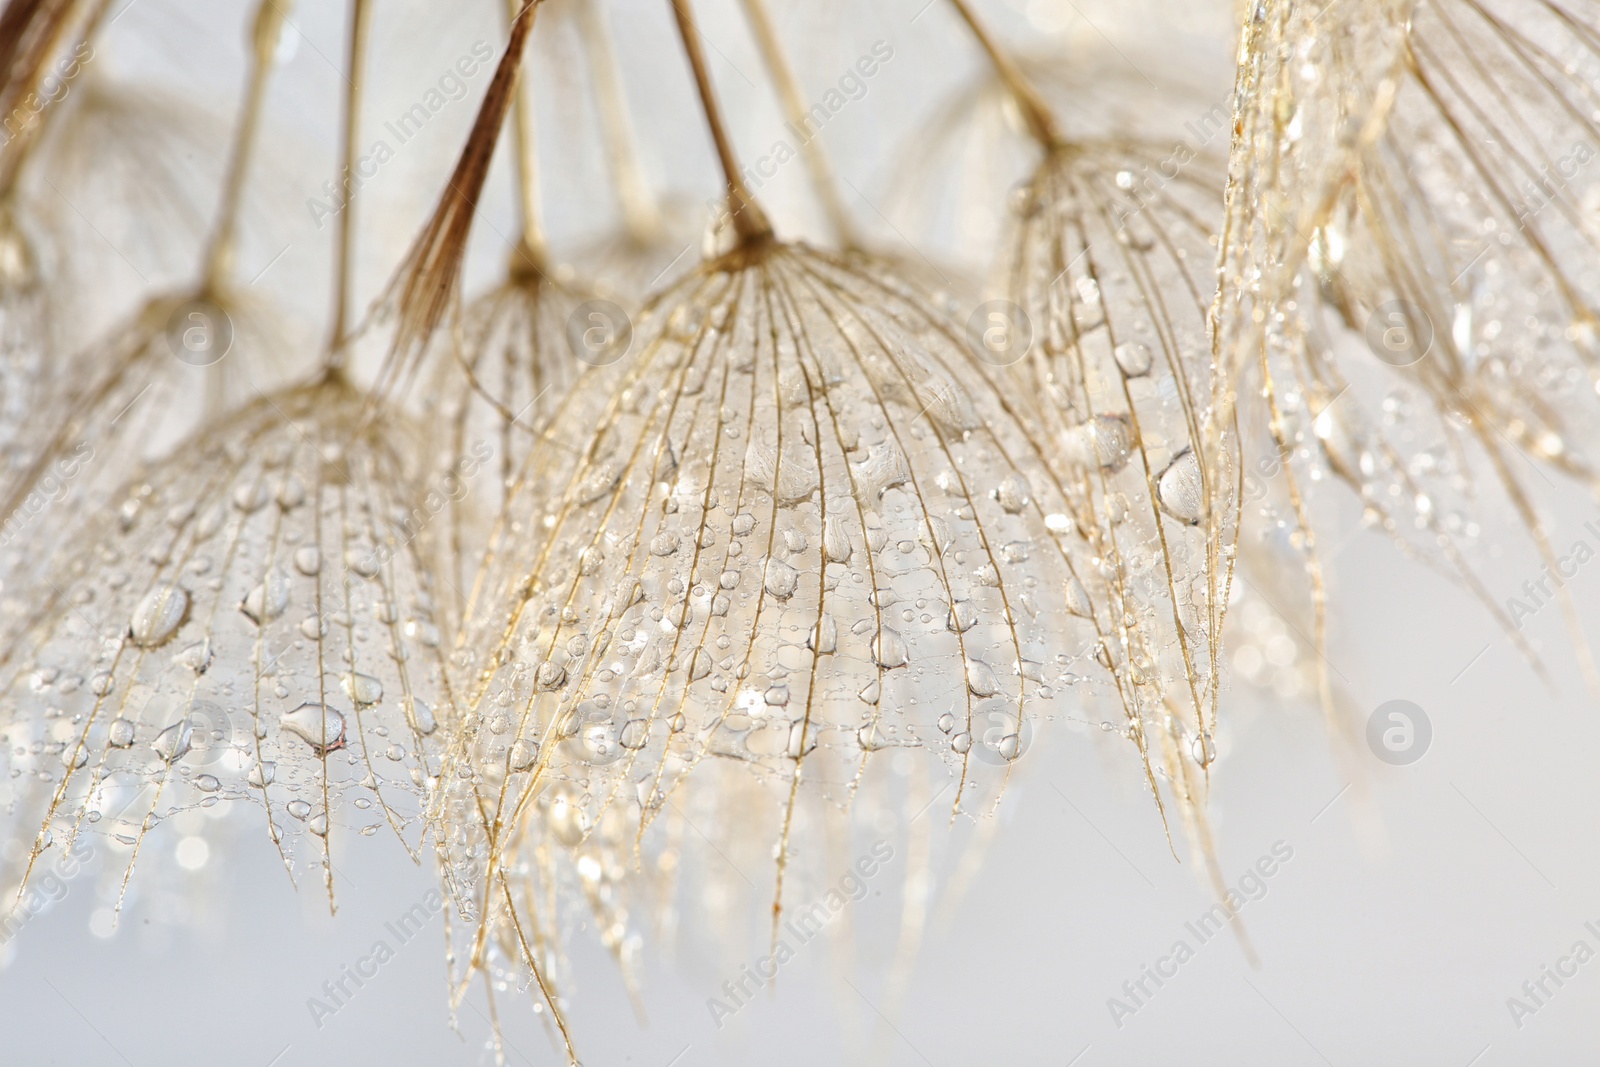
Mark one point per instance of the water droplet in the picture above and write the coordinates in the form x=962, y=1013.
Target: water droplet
x=197, y=657
x=981, y=679
x=824, y=637
x=291, y=493
x=1012, y=493
x=872, y=739
x=207, y=783
x=802, y=739
x=422, y=632
x=362, y=562
x=1181, y=489
x=1009, y=747
x=262, y=774
x=1077, y=598
x=249, y=496
x=595, y=735
x=268, y=600
x=1204, y=749
x=523, y=754
x=422, y=717
x=317, y=725
x=550, y=676
x=699, y=665
x=157, y=617
x=1113, y=441
x=781, y=579
x=121, y=733
x=299, y=809
x=308, y=560
x=836, y=540
x=1133, y=358
x=635, y=734
x=172, y=744
x=889, y=649
x=363, y=688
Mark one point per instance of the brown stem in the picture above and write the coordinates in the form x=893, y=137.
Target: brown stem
x=428, y=282
x=344, y=265
x=36, y=31
x=217, y=260
x=749, y=221
x=532, y=250
x=1035, y=112
x=823, y=181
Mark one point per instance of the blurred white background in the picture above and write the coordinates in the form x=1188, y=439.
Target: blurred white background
x=1418, y=898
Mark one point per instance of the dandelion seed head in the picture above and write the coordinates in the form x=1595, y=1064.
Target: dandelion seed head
x=204, y=648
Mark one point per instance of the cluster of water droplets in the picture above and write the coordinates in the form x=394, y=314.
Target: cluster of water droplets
x=805, y=530
x=1112, y=265
x=250, y=624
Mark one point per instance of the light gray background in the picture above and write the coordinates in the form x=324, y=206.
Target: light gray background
x=1417, y=901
